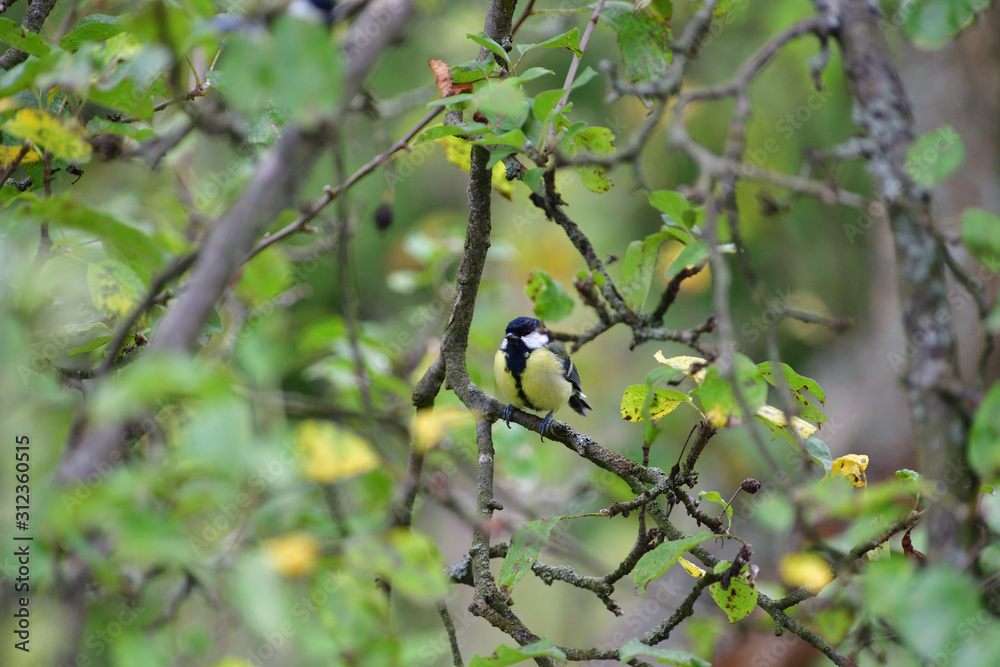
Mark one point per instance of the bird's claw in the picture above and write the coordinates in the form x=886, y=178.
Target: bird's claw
x=546, y=423
x=507, y=412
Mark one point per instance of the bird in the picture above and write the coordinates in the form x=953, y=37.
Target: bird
x=534, y=372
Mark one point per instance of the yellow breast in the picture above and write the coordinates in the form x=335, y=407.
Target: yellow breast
x=542, y=382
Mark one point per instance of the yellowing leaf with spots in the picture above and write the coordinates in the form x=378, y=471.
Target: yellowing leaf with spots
x=661, y=401
x=64, y=138
x=741, y=596
x=807, y=570
x=114, y=287
x=457, y=151
x=693, y=367
x=851, y=466
x=9, y=153
x=293, y=555
x=430, y=426
x=328, y=452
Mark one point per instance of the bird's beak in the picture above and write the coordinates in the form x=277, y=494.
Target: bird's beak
x=510, y=336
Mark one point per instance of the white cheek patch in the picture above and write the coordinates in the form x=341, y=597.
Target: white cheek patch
x=535, y=340
x=503, y=345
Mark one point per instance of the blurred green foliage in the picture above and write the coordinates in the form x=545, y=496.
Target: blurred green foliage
x=215, y=541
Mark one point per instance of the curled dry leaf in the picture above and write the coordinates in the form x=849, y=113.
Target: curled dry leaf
x=442, y=77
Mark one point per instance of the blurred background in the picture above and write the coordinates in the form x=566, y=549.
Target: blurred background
x=218, y=484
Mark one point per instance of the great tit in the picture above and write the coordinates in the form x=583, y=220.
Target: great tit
x=534, y=372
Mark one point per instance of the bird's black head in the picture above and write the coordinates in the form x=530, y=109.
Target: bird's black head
x=522, y=326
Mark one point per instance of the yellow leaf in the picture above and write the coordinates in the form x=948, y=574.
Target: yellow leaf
x=807, y=570
x=686, y=365
x=851, y=466
x=691, y=568
x=64, y=138
x=716, y=417
x=9, y=153
x=429, y=426
x=329, y=453
x=458, y=152
x=114, y=287
x=779, y=419
x=293, y=555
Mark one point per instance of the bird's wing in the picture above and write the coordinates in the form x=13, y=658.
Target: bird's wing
x=568, y=367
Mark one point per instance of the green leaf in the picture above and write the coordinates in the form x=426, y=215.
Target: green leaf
x=458, y=101
x=819, y=452
x=596, y=141
x=504, y=104
x=634, y=648
x=213, y=325
x=92, y=28
x=741, y=597
x=662, y=402
x=549, y=296
x=798, y=385
x=530, y=75
x=692, y=255
x=514, y=138
x=638, y=266
x=533, y=178
x=30, y=42
x=716, y=393
x=984, y=452
x=981, y=234
x=775, y=512
x=258, y=593
x=414, y=565
x=498, y=154
x=545, y=102
x=296, y=66
x=141, y=253
x=643, y=40
x=569, y=40
x=716, y=497
x=505, y=655
x=932, y=157
x=928, y=607
x=525, y=545
x=484, y=40
x=933, y=23
x=438, y=131
x=152, y=381
x=675, y=208
x=654, y=563
x=95, y=344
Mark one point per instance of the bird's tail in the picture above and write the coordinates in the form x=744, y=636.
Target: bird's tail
x=578, y=401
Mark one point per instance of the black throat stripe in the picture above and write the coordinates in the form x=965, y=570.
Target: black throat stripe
x=516, y=356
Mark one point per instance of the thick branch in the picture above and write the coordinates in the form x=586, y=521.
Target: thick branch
x=927, y=360
x=33, y=21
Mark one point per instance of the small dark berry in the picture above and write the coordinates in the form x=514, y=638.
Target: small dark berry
x=383, y=217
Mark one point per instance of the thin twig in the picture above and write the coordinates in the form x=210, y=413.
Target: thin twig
x=332, y=193
x=449, y=626
x=575, y=63
x=9, y=169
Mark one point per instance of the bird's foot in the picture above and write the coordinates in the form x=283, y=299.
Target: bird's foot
x=507, y=412
x=546, y=423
